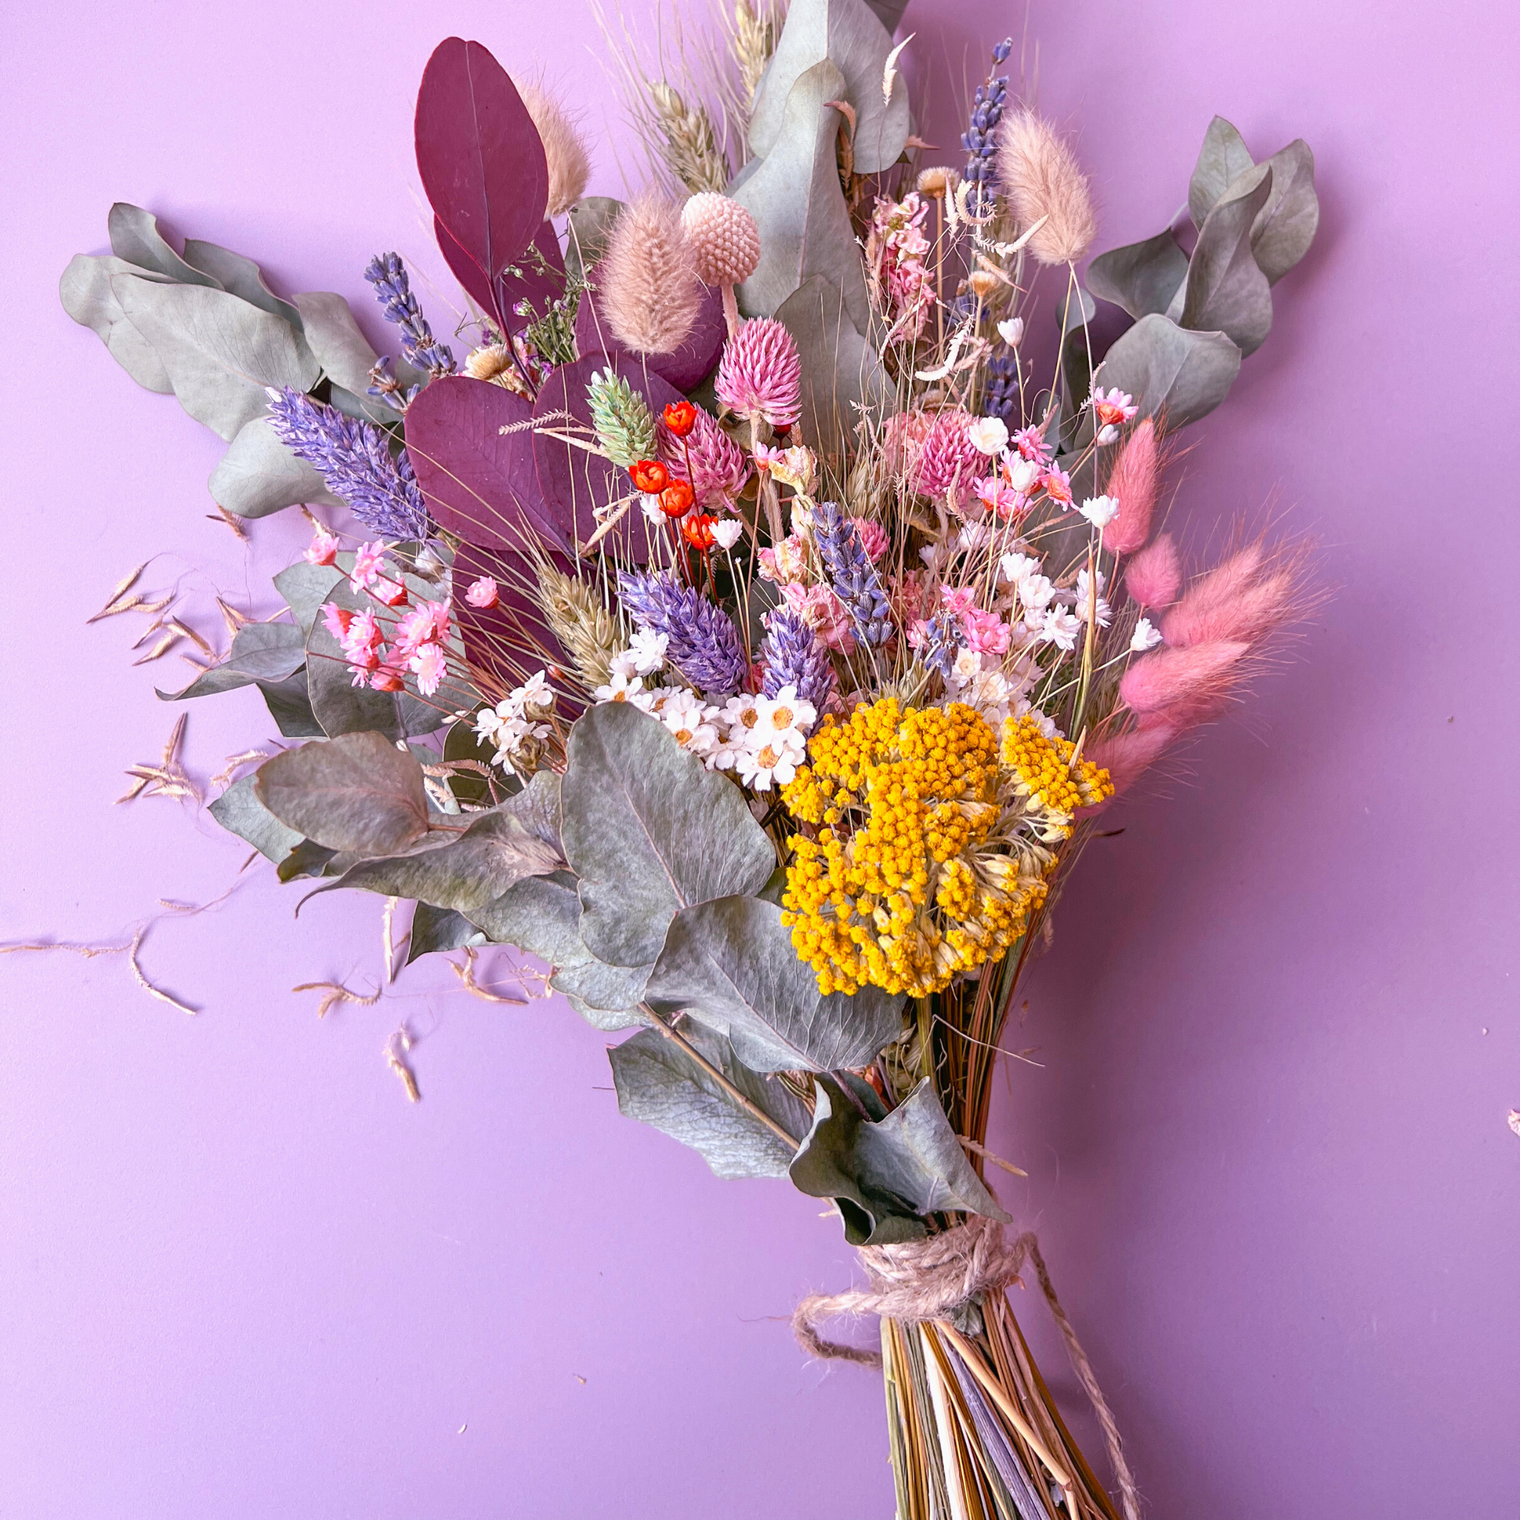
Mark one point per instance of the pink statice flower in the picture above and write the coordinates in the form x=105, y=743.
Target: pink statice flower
x=1031, y=443
x=824, y=613
x=336, y=619
x=323, y=549
x=1112, y=408
x=430, y=665
x=369, y=563
x=482, y=593
x=986, y=632
x=1056, y=484
x=872, y=537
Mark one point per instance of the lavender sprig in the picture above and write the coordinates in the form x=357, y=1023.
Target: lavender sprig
x=851, y=573
x=703, y=642
x=1002, y=395
x=393, y=290
x=986, y=112
x=794, y=656
x=944, y=638
x=354, y=459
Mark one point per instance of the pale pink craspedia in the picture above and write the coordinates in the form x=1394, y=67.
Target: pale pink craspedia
x=719, y=467
x=948, y=465
x=760, y=374
x=723, y=236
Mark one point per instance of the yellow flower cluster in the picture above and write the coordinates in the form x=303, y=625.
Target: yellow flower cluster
x=927, y=859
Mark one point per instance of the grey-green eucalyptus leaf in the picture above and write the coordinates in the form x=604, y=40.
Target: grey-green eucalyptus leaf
x=260, y=652
x=305, y=587
x=240, y=812
x=135, y=237
x=850, y=35
x=1169, y=370
x=219, y=351
x=240, y=276
x=796, y=200
x=649, y=831
x=730, y=963
x=1223, y=158
x=259, y=475
x=1285, y=226
x=289, y=704
x=1142, y=277
x=357, y=793
x=86, y=294
x=1226, y=290
x=435, y=929
x=660, y=1085
x=334, y=337
x=894, y=1171
x=590, y=226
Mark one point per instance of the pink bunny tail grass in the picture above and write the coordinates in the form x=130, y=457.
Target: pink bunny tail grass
x=1251, y=595
x=1154, y=576
x=564, y=148
x=1183, y=686
x=1127, y=756
x=1043, y=179
x=649, y=288
x=1134, y=482
x=760, y=374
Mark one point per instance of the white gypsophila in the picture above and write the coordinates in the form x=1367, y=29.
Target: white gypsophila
x=988, y=435
x=1146, y=636
x=1100, y=511
x=1060, y=627
x=620, y=688
x=726, y=533
x=1011, y=331
x=691, y=721
x=647, y=650
x=1020, y=473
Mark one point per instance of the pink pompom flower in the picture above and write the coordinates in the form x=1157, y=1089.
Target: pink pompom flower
x=482, y=593
x=872, y=537
x=708, y=460
x=1031, y=444
x=760, y=374
x=949, y=464
x=391, y=593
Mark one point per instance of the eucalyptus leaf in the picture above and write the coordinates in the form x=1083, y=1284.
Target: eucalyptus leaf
x=1142, y=277
x=796, y=199
x=607, y=997
x=650, y=830
x=239, y=276
x=305, y=587
x=334, y=337
x=356, y=793
x=240, y=812
x=219, y=351
x=259, y=475
x=889, y=1174
x=1169, y=370
x=307, y=859
x=135, y=238
x=851, y=36
x=86, y=293
x=1226, y=290
x=289, y=704
x=435, y=929
x=842, y=377
x=260, y=652
x=590, y=226
x=1223, y=158
x=660, y=1085
x=731, y=964
x=461, y=742
x=1285, y=226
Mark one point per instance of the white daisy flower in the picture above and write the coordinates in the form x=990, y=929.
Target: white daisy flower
x=1100, y=511
x=726, y=532
x=988, y=435
x=1060, y=627
x=1146, y=636
x=621, y=688
x=647, y=650
x=691, y=721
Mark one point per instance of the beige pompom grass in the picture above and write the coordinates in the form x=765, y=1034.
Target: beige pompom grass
x=1042, y=178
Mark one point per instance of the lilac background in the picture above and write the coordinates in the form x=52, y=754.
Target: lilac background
x=241, y=1277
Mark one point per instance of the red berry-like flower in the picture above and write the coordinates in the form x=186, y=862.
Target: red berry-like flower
x=649, y=475
x=680, y=417
x=677, y=498
x=697, y=530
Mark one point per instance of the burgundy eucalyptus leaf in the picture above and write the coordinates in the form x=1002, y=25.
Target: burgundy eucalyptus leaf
x=577, y=485
x=479, y=483
x=480, y=157
x=494, y=638
x=466, y=271
x=686, y=368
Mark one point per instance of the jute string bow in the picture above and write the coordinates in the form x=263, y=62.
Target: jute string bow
x=931, y=1279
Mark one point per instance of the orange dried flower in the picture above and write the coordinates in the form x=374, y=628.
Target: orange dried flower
x=649, y=475
x=697, y=530
x=680, y=417
x=677, y=498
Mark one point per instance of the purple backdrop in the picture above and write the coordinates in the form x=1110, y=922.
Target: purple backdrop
x=240, y=1276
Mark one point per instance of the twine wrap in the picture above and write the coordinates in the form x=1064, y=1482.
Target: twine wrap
x=931, y=1279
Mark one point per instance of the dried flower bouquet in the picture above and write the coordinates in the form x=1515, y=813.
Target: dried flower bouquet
x=745, y=627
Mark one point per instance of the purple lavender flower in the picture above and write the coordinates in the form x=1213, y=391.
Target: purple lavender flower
x=704, y=644
x=794, y=657
x=851, y=573
x=1002, y=396
x=986, y=112
x=354, y=459
x=944, y=638
x=393, y=290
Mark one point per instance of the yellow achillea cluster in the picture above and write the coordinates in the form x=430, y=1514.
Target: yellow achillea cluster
x=931, y=845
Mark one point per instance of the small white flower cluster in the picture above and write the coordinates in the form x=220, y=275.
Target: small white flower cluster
x=644, y=655
x=1042, y=605
x=516, y=723
x=995, y=689
x=762, y=739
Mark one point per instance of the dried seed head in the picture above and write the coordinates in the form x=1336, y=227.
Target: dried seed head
x=649, y=288
x=489, y=363
x=982, y=284
x=1042, y=178
x=723, y=236
x=933, y=182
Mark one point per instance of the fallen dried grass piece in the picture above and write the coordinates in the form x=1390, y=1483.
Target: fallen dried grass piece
x=122, y=586
x=224, y=776
x=145, y=984
x=334, y=993
x=396, y=1049
x=466, y=974
x=224, y=516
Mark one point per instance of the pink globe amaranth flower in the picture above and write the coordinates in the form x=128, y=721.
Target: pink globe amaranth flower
x=430, y=666
x=482, y=593
x=986, y=632
x=760, y=374
x=1134, y=481
x=369, y=561
x=872, y=537
x=903, y=437
x=824, y=613
x=719, y=467
x=948, y=465
x=1154, y=576
x=323, y=549
x=336, y=620
x=1182, y=686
